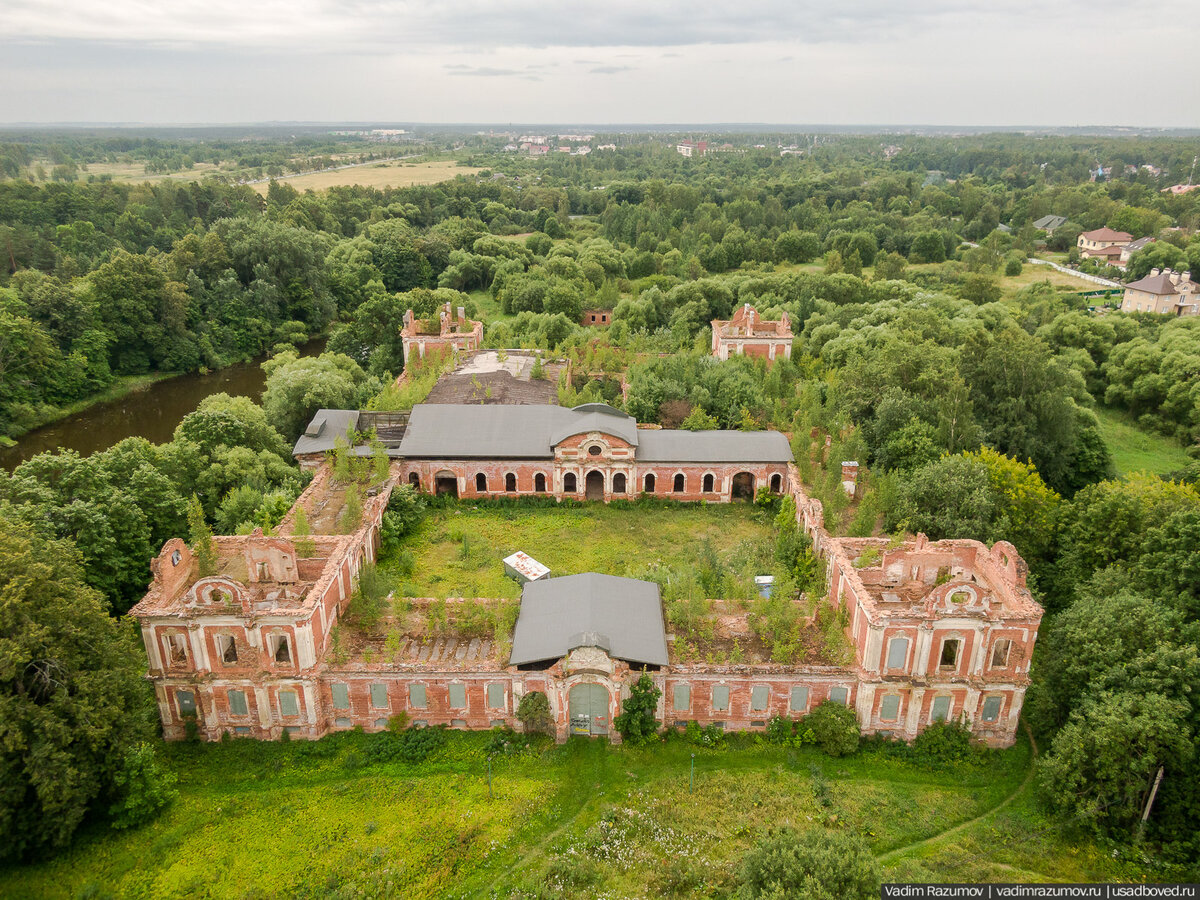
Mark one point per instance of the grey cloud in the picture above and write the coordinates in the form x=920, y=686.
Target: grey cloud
x=610, y=70
x=397, y=25
x=492, y=72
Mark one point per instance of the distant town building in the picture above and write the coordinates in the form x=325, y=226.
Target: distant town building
x=450, y=333
x=748, y=334
x=1165, y=292
x=691, y=148
x=1180, y=188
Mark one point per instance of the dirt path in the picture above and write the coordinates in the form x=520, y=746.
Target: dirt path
x=962, y=826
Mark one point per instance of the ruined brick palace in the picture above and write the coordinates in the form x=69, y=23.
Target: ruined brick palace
x=941, y=630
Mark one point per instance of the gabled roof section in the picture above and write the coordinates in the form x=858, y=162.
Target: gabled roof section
x=622, y=616
x=1154, y=284
x=1107, y=234
x=597, y=417
x=325, y=428
x=1046, y=223
x=714, y=447
x=472, y=431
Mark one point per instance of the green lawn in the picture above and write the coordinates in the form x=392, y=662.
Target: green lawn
x=1135, y=450
x=458, y=550
x=581, y=820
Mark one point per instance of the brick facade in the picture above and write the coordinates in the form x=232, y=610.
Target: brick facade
x=748, y=334
x=939, y=630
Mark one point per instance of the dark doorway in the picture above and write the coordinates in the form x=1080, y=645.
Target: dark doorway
x=743, y=486
x=446, y=483
x=588, y=708
x=776, y=484
x=594, y=485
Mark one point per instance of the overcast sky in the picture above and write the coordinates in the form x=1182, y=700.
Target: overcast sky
x=1007, y=62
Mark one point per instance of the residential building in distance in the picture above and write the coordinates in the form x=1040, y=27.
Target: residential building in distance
x=747, y=334
x=691, y=148
x=1131, y=248
x=450, y=333
x=1165, y=292
x=1091, y=241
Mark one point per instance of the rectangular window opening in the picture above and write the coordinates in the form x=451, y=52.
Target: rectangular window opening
x=458, y=696
x=379, y=696
x=416, y=696
x=839, y=695
x=950, y=648
x=1000, y=653
x=237, y=703
x=720, y=698
x=683, y=698
x=991, y=709
x=495, y=696
x=889, y=708
x=897, y=653
x=758, y=698
x=799, y=699
x=341, y=696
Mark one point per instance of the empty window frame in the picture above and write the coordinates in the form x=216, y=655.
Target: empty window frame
x=343, y=722
x=680, y=484
x=889, y=707
x=289, y=703
x=495, y=695
x=758, y=698
x=940, y=711
x=458, y=696
x=720, y=698
x=839, y=695
x=539, y=483
x=707, y=485
x=227, y=649
x=1000, y=651
x=186, y=701
x=480, y=483
x=569, y=483
x=237, y=703
x=415, y=480
x=991, y=708
x=176, y=649
x=618, y=483
x=776, y=484
x=379, y=695
x=799, y=702
x=648, y=484
x=341, y=696
x=897, y=654
x=949, y=657
x=281, y=650
x=510, y=482
x=682, y=700
x=381, y=723
x=416, y=696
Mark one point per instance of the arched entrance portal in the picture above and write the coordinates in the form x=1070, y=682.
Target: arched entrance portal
x=594, y=485
x=587, y=706
x=743, y=486
x=446, y=483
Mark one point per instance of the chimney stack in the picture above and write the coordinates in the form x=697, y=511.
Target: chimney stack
x=1154, y=272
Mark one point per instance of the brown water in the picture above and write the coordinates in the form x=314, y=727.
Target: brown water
x=151, y=413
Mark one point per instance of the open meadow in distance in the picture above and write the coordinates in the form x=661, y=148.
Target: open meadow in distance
x=1136, y=450
x=381, y=174
x=580, y=820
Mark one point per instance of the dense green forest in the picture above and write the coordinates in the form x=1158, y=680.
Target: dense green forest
x=968, y=391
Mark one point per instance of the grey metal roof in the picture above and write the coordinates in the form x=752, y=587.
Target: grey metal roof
x=475, y=431
x=1051, y=221
x=480, y=432
x=325, y=428
x=622, y=616
x=714, y=447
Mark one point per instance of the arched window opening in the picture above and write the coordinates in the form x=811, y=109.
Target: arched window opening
x=649, y=484
x=510, y=482
x=569, y=486
x=680, y=482
x=481, y=483
x=539, y=483
x=708, y=484
x=618, y=483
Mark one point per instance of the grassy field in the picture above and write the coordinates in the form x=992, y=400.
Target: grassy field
x=458, y=550
x=581, y=820
x=1135, y=450
x=379, y=174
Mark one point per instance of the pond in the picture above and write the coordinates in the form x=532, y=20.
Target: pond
x=151, y=413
